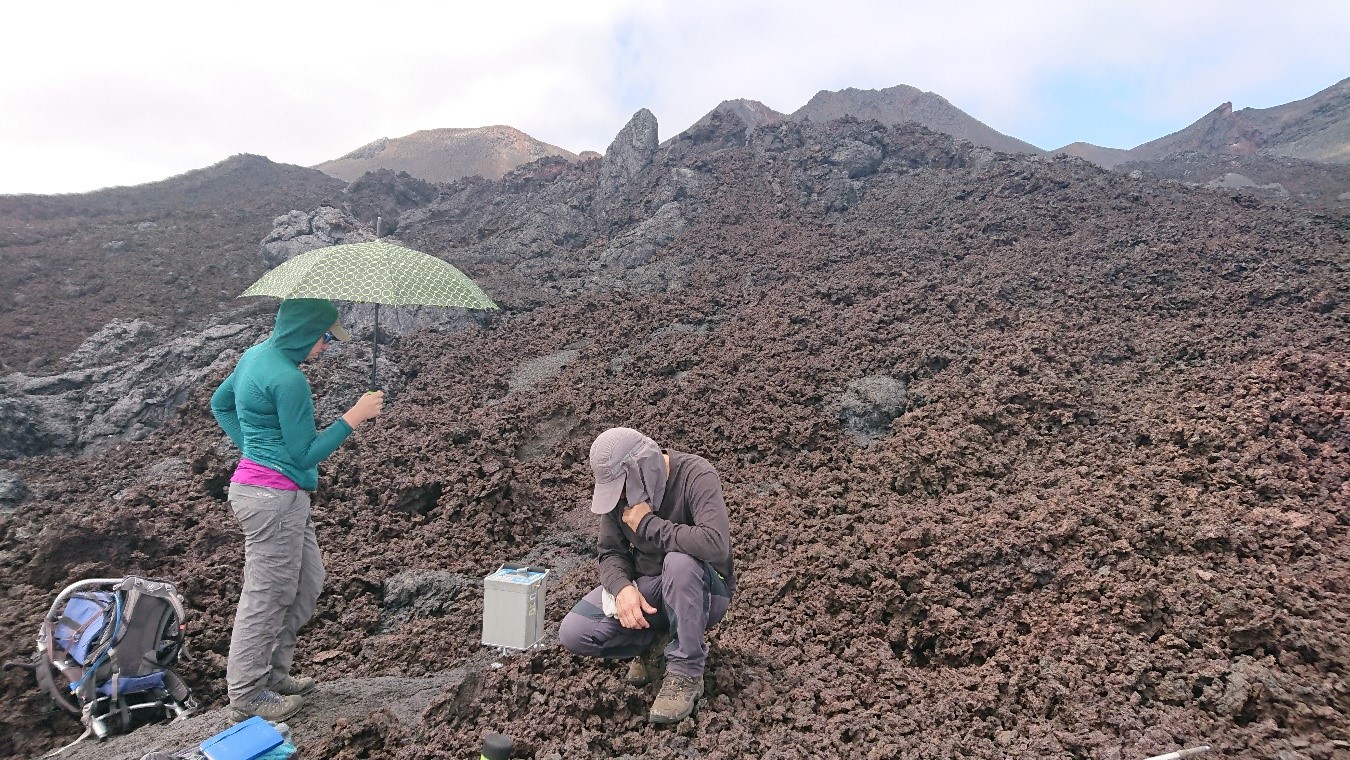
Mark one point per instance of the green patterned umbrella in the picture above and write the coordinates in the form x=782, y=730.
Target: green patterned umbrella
x=373, y=272
x=377, y=272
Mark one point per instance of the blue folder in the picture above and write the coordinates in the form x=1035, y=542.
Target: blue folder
x=249, y=740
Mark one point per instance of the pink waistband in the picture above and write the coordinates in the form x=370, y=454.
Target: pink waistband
x=251, y=473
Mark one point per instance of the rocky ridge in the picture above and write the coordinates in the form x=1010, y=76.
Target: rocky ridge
x=1316, y=128
x=1293, y=153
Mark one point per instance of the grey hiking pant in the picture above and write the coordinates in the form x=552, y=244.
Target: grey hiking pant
x=283, y=575
x=689, y=597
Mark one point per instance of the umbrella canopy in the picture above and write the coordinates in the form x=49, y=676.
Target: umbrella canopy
x=374, y=272
x=377, y=272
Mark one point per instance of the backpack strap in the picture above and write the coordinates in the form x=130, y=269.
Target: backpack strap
x=182, y=695
x=42, y=670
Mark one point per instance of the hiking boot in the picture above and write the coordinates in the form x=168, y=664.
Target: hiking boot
x=677, y=698
x=292, y=686
x=268, y=705
x=638, y=672
x=647, y=666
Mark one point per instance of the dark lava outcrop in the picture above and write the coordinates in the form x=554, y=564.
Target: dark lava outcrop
x=1098, y=507
x=125, y=380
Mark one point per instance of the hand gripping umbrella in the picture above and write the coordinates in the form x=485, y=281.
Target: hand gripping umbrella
x=377, y=272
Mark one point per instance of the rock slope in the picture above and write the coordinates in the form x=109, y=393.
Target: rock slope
x=1024, y=459
x=172, y=253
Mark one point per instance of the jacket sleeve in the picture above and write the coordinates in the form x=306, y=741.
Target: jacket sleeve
x=295, y=413
x=709, y=538
x=616, y=554
x=223, y=409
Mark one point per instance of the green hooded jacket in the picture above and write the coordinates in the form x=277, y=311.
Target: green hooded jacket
x=265, y=405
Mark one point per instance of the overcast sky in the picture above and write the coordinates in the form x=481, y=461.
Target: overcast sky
x=97, y=94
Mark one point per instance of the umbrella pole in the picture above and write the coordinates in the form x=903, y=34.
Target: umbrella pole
x=375, y=336
x=375, y=351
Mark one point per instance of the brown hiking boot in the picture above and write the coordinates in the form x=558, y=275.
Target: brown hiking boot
x=268, y=705
x=647, y=667
x=638, y=674
x=291, y=686
x=677, y=698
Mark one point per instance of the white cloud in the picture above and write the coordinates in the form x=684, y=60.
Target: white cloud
x=113, y=94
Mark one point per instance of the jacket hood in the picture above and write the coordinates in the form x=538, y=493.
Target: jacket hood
x=300, y=323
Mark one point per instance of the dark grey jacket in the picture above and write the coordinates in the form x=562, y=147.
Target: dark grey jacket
x=692, y=520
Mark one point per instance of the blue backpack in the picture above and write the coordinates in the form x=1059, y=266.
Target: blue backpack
x=105, y=651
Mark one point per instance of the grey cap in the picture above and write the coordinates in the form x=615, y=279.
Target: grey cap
x=611, y=450
x=340, y=332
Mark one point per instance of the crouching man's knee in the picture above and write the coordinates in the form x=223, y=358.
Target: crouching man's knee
x=572, y=634
x=583, y=630
x=682, y=573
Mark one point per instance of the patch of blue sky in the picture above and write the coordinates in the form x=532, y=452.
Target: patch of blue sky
x=1111, y=111
x=1130, y=108
x=631, y=68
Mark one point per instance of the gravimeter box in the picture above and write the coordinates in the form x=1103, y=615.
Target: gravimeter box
x=513, y=606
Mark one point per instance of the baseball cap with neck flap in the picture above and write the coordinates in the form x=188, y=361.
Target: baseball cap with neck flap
x=619, y=455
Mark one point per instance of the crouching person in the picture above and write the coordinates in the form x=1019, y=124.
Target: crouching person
x=666, y=573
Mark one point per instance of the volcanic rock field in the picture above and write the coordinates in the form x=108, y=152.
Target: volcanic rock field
x=1024, y=459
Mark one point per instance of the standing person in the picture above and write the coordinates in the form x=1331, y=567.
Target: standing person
x=266, y=408
x=665, y=566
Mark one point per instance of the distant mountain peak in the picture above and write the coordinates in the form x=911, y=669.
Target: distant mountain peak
x=730, y=120
x=446, y=154
x=903, y=103
x=752, y=112
x=1097, y=154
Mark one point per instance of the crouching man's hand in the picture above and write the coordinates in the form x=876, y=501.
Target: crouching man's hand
x=630, y=605
x=632, y=516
